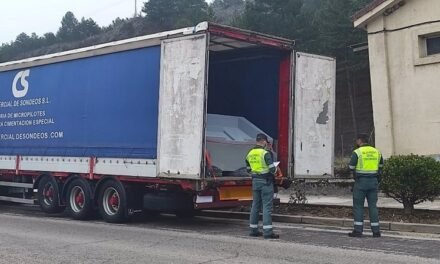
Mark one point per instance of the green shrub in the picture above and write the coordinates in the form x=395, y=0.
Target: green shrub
x=411, y=179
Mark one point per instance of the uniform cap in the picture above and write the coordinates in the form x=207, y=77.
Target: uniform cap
x=261, y=137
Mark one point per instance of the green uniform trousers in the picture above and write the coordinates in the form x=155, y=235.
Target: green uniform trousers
x=262, y=191
x=365, y=187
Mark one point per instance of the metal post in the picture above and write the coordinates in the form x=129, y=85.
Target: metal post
x=135, y=8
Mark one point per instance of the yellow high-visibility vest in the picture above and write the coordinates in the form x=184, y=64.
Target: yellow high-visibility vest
x=257, y=162
x=368, y=160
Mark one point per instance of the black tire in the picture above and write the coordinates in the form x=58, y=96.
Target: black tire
x=49, y=195
x=79, y=199
x=112, y=202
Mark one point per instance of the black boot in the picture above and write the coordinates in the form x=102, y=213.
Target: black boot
x=355, y=234
x=376, y=234
x=273, y=236
x=257, y=234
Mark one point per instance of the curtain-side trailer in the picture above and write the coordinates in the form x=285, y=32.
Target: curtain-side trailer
x=161, y=122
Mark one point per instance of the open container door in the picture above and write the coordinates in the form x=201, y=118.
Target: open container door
x=314, y=111
x=182, y=103
x=245, y=65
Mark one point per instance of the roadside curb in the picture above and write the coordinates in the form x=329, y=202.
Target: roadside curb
x=336, y=222
x=319, y=204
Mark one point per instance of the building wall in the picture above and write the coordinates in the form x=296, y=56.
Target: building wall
x=405, y=84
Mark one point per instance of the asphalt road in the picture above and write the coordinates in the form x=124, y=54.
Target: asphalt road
x=28, y=236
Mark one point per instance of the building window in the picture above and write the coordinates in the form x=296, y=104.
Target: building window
x=432, y=45
x=426, y=45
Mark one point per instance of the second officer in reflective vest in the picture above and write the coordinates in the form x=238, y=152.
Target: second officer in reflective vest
x=366, y=162
x=260, y=164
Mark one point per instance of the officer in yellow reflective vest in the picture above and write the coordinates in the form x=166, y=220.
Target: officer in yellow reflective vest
x=366, y=162
x=260, y=164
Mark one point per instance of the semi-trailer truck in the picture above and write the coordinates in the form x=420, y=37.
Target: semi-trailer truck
x=161, y=122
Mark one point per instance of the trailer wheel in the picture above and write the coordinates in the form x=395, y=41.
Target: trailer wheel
x=112, y=202
x=79, y=199
x=49, y=195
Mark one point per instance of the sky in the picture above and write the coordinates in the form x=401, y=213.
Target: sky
x=42, y=16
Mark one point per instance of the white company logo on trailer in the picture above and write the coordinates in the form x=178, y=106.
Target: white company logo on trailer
x=22, y=75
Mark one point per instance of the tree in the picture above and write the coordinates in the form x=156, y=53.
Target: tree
x=6, y=52
x=336, y=31
x=50, y=38
x=227, y=11
x=127, y=30
x=193, y=12
x=69, y=28
x=23, y=41
x=168, y=14
x=411, y=180
x=319, y=26
x=118, y=22
x=161, y=12
x=87, y=28
x=276, y=17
